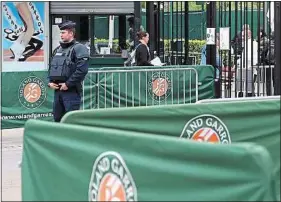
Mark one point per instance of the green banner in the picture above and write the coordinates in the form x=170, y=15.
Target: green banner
x=25, y=95
x=131, y=89
x=63, y=162
x=244, y=121
x=23, y=63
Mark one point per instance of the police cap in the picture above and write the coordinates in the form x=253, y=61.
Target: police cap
x=67, y=25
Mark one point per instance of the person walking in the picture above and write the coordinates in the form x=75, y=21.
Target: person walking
x=142, y=51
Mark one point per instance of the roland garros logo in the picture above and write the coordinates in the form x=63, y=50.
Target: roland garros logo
x=111, y=180
x=206, y=128
x=32, y=92
x=160, y=86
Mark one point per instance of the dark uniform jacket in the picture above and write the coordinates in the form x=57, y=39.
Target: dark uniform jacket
x=69, y=65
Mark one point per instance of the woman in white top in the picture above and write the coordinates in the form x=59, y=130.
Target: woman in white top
x=246, y=63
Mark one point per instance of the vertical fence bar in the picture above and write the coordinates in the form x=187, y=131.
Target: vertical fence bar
x=229, y=79
x=259, y=49
x=169, y=32
x=184, y=72
x=166, y=86
x=105, y=78
x=150, y=26
x=235, y=46
x=186, y=31
x=119, y=93
x=190, y=87
x=163, y=32
x=246, y=48
x=158, y=35
x=196, y=85
x=126, y=87
x=265, y=29
x=91, y=92
x=139, y=88
x=211, y=49
x=242, y=52
x=133, y=92
x=221, y=24
x=137, y=5
x=277, y=47
x=146, y=89
x=268, y=70
x=172, y=89
x=177, y=31
x=159, y=86
x=172, y=31
x=181, y=34
x=178, y=86
x=112, y=89
x=98, y=90
x=83, y=95
x=252, y=52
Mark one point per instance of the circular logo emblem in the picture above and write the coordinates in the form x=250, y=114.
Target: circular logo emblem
x=32, y=92
x=160, y=86
x=111, y=179
x=206, y=128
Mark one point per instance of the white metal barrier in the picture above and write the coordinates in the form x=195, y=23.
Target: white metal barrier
x=239, y=99
x=139, y=87
x=256, y=80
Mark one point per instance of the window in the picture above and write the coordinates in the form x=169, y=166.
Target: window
x=82, y=28
x=110, y=35
x=104, y=35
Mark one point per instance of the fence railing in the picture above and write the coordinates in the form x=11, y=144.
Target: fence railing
x=246, y=64
x=140, y=87
x=266, y=98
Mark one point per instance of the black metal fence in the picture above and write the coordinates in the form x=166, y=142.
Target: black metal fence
x=244, y=59
x=247, y=68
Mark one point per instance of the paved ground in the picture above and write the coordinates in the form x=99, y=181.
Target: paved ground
x=11, y=155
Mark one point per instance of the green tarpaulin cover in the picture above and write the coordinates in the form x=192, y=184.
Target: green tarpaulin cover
x=78, y=163
x=228, y=122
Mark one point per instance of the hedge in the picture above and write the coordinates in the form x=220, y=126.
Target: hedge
x=195, y=46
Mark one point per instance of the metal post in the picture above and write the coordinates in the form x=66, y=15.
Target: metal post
x=265, y=20
x=186, y=32
x=150, y=26
x=211, y=49
x=171, y=18
x=156, y=9
x=122, y=32
x=277, y=44
x=137, y=19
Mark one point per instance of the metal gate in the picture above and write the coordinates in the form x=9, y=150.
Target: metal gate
x=244, y=69
x=247, y=67
x=139, y=87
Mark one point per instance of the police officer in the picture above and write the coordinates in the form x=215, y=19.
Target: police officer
x=68, y=68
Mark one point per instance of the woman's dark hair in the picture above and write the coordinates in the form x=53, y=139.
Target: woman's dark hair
x=141, y=34
x=263, y=33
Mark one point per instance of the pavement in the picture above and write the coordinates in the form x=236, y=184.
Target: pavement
x=11, y=147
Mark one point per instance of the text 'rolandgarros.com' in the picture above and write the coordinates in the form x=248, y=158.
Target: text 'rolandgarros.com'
x=27, y=116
